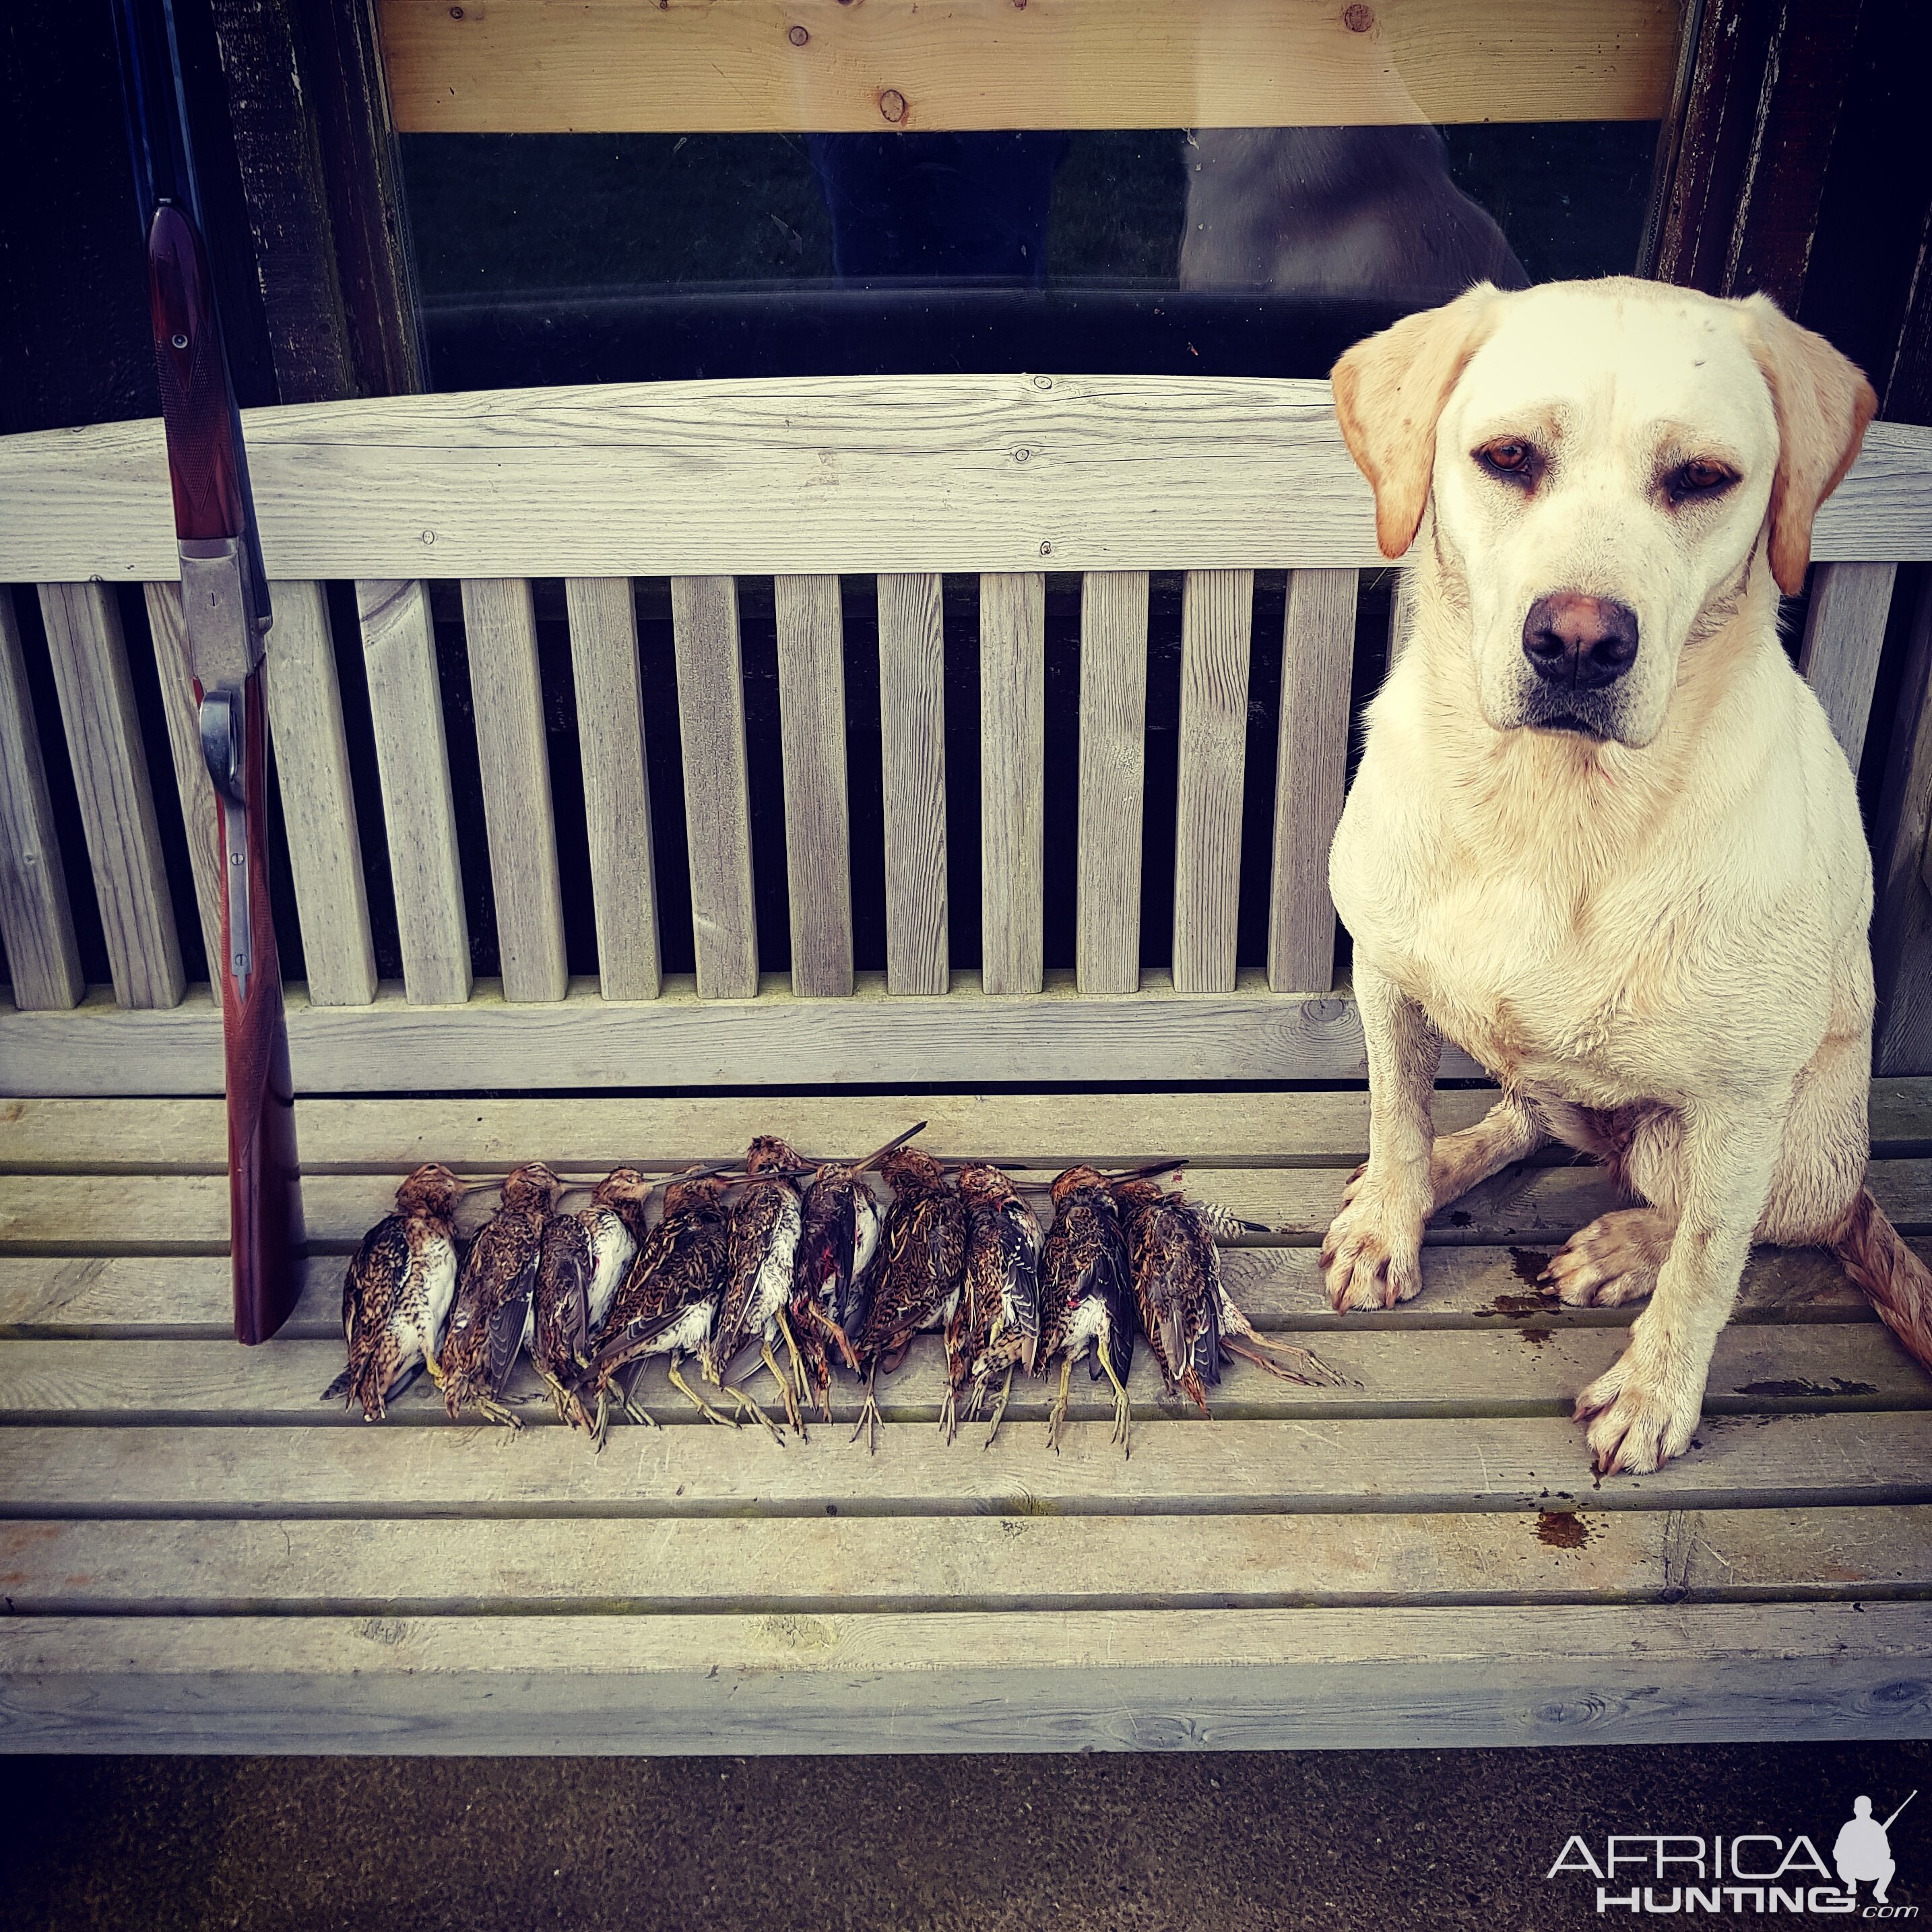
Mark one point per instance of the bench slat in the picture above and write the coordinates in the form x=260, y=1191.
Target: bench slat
x=1113, y=768
x=818, y=840
x=1013, y=779
x=36, y=919
x=717, y=794
x=1497, y=1370
x=616, y=795
x=1318, y=654
x=1216, y=631
x=418, y=812
x=1844, y=637
x=117, y=802
x=506, y=690
x=1200, y=1469
x=201, y=823
x=318, y=799
x=912, y=724
x=802, y=1565
x=1108, y=1680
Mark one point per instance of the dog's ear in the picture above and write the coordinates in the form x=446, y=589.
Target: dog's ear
x=1823, y=404
x=1390, y=390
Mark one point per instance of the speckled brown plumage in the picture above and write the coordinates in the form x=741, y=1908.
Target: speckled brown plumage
x=922, y=1264
x=759, y=1267
x=995, y=1327
x=583, y=1258
x=491, y=1320
x=396, y=1292
x=1086, y=1295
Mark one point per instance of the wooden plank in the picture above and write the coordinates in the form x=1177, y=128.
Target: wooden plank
x=616, y=792
x=500, y=621
x=815, y=473
x=1202, y=1468
x=419, y=815
x=1758, y=1369
x=1012, y=779
x=1469, y=1287
x=717, y=797
x=1901, y=830
x=318, y=799
x=523, y=67
x=803, y=1566
x=1318, y=655
x=185, y=1214
x=201, y=821
x=912, y=726
x=818, y=842
x=1416, y=1677
x=1216, y=626
x=1844, y=635
x=1113, y=765
x=36, y=920
x=117, y=804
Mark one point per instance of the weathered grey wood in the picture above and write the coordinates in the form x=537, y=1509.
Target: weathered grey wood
x=1470, y=1287
x=318, y=799
x=117, y=803
x=1203, y=1468
x=821, y=473
x=164, y=1214
x=36, y=920
x=1012, y=779
x=412, y=764
x=912, y=725
x=1844, y=635
x=1496, y=1370
x=717, y=797
x=1902, y=918
x=616, y=793
x=499, y=620
x=1429, y=1676
x=1216, y=627
x=1318, y=654
x=1113, y=766
x=818, y=843
x=200, y=816
x=1302, y=1128
x=805, y=1566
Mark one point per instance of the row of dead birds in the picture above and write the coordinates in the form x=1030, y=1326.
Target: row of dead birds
x=803, y=1260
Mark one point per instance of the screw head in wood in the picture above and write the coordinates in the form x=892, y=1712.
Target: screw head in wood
x=893, y=105
x=798, y=36
x=1357, y=18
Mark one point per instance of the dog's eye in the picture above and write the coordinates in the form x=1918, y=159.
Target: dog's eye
x=1700, y=477
x=1507, y=457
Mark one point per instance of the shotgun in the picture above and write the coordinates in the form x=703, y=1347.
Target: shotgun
x=226, y=614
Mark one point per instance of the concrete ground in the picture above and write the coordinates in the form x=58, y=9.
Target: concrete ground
x=1233, y=1842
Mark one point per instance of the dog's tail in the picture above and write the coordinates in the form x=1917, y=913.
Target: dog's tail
x=1872, y=1252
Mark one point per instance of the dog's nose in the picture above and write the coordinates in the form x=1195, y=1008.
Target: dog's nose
x=1583, y=642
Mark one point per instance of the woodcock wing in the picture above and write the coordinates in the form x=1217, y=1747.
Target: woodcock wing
x=583, y=1261
x=492, y=1318
x=1087, y=1294
x=996, y=1326
x=760, y=1264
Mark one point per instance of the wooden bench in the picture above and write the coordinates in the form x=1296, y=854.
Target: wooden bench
x=196, y=1554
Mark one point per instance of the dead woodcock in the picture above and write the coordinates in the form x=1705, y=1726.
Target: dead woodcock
x=760, y=1262
x=491, y=1322
x=1186, y=1312
x=921, y=1268
x=837, y=1246
x=396, y=1292
x=1086, y=1295
x=583, y=1262
x=669, y=1298
x=996, y=1326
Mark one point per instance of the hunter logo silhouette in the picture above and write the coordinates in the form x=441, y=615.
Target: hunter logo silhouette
x=1862, y=1851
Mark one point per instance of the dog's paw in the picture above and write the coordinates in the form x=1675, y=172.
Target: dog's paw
x=1644, y=1409
x=1372, y=1254
x=1614, y=1260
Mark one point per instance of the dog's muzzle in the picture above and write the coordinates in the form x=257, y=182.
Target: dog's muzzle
x=1579, y=646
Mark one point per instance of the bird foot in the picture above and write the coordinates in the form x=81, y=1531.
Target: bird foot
x=747, y=1406
x=869, y=1419
x=1313, y=1372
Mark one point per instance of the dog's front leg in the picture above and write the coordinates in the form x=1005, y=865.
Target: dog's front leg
x=1645, y=1409
x=1372, y=1254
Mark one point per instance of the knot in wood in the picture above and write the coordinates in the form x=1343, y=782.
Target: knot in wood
x=1358, y=19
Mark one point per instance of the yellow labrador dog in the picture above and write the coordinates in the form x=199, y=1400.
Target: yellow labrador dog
x=1602, y=837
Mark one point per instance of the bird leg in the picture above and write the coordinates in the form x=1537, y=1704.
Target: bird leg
x=684, y=1388
x=869, y=1417
x=999, y=1407
x=745, y=1402
x=787, y=1393
x=1056, y=1417
x=1123, y=1413
x=949, y=1415
x=488, y=1405
x=849, y=1354
x=1315, y=1372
